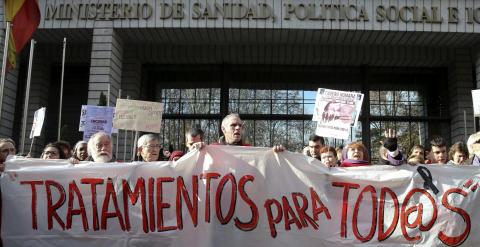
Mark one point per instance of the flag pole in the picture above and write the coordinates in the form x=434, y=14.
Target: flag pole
x=27, y=94
x=4, y=66
x=61, y=89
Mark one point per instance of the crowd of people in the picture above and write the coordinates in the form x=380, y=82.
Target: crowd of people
x=99, y=148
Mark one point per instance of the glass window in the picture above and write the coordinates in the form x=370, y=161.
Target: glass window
x=191, y=101
x=397, y=103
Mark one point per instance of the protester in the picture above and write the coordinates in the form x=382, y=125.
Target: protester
x=65, y=148
x=418, y=150
x=148, y=148
x=328, y=156
x=194, y=139
x=438, y=152
x=232, y=128
x=415, y=159
x=315, y=143
x=80, y=151
x=355, y=154
x=176, y=155
x=458, y=154
x=7, y=147
x=52, y=151
x=389, y=151
x=100, y=148
x=473, y=144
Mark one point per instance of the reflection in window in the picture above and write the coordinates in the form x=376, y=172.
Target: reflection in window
x=191, y=101
x=397, y=103
x=282, y=102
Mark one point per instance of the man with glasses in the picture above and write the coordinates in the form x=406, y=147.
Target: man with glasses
x=100, y=148
x=7, y=147
x=148, y=148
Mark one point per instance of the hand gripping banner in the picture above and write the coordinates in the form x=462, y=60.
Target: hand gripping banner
x=238, y=196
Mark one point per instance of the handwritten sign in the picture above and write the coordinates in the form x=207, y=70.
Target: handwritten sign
x=94, y=119
x=38, y=120
x=138, y=115
x=240, y=196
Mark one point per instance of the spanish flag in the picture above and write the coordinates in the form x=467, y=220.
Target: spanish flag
x=25, y=17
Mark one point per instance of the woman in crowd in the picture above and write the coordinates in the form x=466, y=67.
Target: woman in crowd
x=148, y=148
x=52, y=151
x=80, y=151
x=328, y=156
x=355, y=154
x=458, y=154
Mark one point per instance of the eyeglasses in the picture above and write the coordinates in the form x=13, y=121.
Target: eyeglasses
x=152, y=146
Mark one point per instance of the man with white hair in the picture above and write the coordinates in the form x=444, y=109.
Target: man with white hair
x=100, y=148
x=473, y=145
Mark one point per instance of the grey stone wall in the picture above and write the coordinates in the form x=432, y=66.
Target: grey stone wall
x=460, y=84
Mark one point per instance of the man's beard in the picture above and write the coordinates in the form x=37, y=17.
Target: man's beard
x=102, y=157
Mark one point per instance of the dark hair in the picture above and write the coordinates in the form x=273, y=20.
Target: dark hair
x=438, y=141
x=458, y=147
x=195, y=131
x=315, y=138
x=61, y=155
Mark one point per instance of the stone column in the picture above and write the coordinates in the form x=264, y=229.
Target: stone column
x=460, y=83
x=105, y=65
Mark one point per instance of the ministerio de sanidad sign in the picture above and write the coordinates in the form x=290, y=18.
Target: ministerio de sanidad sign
x=238, y=196
x=441, y=13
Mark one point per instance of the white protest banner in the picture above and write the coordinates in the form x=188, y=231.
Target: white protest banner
x=38, y=120
x=476, y=102
x=97, y=118
x=336, y=112
x=138, y=115
x=238, y=196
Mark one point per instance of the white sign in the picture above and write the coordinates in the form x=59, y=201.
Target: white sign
x=476, y=102
x=237, y=196
x=38, y=120
x=138, y=115
x=96, y=119
x=336, y=112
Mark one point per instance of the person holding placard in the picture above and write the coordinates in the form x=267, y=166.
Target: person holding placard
x=7, y=147
x=148, y=148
